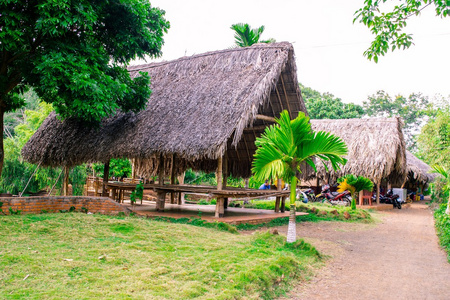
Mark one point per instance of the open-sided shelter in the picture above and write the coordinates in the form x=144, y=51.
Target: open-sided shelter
x=418, y=173
x=204, y=110
x=376, y=149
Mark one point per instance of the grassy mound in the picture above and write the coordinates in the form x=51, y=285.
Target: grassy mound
x=54, y=256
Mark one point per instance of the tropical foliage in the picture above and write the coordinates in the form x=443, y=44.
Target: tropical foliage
x=286, y=146
x=446, y=187
x=74, y=54
x=388, y=27
x=354, y=184
x=327, y=106
x=245, y=36
x=434, y=140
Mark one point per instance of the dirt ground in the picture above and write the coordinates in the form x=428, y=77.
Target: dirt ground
x=396, y=258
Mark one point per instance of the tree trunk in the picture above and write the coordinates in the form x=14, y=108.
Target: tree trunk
x=292, y=235
x=2, y=150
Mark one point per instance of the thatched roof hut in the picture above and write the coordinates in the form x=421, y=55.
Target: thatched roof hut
x=376, y=148
x=202, y=107
x=418, y=171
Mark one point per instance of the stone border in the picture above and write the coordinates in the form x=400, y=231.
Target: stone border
x=37, y=205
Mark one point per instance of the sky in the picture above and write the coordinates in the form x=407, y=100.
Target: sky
x=328, y=46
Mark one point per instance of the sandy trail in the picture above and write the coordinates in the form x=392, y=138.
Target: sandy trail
x=398, y=258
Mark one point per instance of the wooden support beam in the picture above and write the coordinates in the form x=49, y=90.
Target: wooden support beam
x=225, y=178
x=172, y=177
x=378, y=194
x=66, y=181
x=161, y=170
x=279, y=98
x=265, y=118
x=105, y=179
x=160, y=200
x=271, y=107
x=220, y=209
x=219, y=173
x=283, y=204
x=246, y=148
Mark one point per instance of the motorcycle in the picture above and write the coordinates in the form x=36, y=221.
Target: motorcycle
x=391, y=198
x=334, y=198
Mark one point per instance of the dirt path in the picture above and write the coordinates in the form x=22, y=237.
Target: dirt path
x=398, y=258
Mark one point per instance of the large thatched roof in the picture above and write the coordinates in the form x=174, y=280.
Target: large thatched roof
x=418, y=171
x=376, y=148
x=201, y=107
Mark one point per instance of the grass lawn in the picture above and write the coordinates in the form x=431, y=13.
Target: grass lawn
x=79, y=256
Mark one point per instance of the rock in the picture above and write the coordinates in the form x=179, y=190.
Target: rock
x=346, y=215
x=323, y=213
x=275, y=231
x=334, y=212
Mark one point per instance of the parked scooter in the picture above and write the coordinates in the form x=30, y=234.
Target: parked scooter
x=391, y=198
x=334, y=198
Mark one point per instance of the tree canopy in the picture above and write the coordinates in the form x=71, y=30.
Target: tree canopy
x=413, y=110
x=389, y=26
x=327, y=106
x=73, y=53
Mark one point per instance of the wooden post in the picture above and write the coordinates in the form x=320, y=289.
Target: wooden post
x=283, y=204
x=181, y=195
x=66, y=181
x=277, y=204
x=378, y=194
x=225, y=178
x=220, y=201
x=278, y=198
x=220, y=207
x=133, y=168
x=360, y=198
x=161, y=170
x=172, y=178
x=96, y=186
x=219, y=173
x=160, y=201
x=105, y=179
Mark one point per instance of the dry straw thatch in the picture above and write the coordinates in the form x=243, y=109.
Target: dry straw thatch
x=376, y=148
x=418, y=171
x=202, y=107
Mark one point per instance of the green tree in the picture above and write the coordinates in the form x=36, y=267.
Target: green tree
x=388, y=27
x=285, y=146
x=434, y=140
x=74, y=53
x=354, y=184
x=244, y=36
x=446, y=175
x=414, y=111
x=326, y=106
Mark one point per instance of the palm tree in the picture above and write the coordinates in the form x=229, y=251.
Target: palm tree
x=440, y=170
x=354, y=185
x=244, y=36
x=283, y=148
